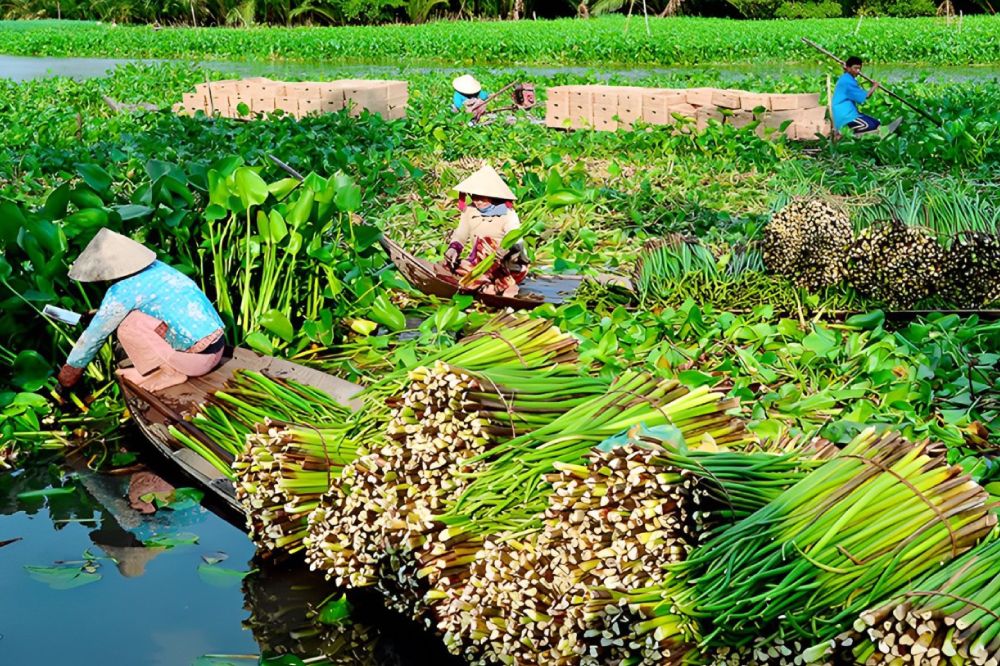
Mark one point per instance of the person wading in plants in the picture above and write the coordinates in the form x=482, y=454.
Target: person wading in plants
x=165, y=323
x=468, y=93
x=487, y=207
x=847, y=95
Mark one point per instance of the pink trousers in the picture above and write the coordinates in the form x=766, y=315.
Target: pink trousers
x=157, y=364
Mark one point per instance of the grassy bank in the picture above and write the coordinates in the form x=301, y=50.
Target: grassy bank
x=675, y=41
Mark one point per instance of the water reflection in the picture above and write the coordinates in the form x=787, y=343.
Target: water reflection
x=93, y=554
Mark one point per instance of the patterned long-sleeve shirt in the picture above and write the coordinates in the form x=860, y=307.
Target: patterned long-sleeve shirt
x=159, y=291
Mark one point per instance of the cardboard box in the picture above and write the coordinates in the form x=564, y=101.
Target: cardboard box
x=193, y=102
x=751, y=101
x=684, y=110
x=557, y=106
x=581, y=108
x=309, y=105
x=726, y=99
x=789, y=102
x=699, y=96
x=290, y=105
x=706, y=114
x=815, y=115
x=806, y=131
x=740, y=118
x=262, y=104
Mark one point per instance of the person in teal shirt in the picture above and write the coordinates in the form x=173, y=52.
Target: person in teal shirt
x=467, y=89
x=846, y=97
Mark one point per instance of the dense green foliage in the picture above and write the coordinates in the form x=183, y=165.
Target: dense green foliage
x=599, y=41
x=68, y=164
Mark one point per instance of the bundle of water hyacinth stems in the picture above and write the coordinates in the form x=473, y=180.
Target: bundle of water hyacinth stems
x=455, y=406
x=951, y=616
x=613, y=522
x=250, y=398
x=852, y=532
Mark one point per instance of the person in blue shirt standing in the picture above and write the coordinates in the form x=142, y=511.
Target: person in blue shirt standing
x=846, y=97
x=467, y=92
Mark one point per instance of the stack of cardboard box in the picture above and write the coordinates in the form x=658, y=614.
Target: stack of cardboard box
x=609, y=108
x=299, y=99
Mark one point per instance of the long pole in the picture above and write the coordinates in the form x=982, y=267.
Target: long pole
x=937, y=121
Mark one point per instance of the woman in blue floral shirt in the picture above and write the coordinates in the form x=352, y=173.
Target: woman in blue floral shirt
x=164, y=322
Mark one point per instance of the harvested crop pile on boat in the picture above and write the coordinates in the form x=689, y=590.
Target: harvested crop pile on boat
x=807, y=241
x=486, y=388
x=851, y=533
x=614, y=522
x=896, y=264
x=249, y=399
x=950, y=616
x=970, y=276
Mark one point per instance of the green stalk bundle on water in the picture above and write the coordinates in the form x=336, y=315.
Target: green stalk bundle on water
x=950, y=616
x=614, y=522
x=853, y=532
x=443, y=420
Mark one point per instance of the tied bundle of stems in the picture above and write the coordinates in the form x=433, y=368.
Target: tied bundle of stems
x=348, y=528
x=855, y=530
x=950, y=616
x=612, y=523
x=281, y=475
x=250, y=398
x=447, y=417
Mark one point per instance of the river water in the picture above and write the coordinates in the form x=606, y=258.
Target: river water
x=21, y=68
x=89, y=579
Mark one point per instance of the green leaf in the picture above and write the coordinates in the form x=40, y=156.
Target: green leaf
x=95, y=176
x=123, y=458
x=171, y=540
x=282, y=188
x=5, y=268
x=62, y=577
x=46, y=492
x=348, y=198
x=385, y=312
x=282, y=660
x=31, y=369
x=217, y=576
x=277, y=322
x=11, y=221
x=821, y=341
x=129, y=212
x=88, y=219
x=260, y=343
x=250, y=187
x=276, y=227
x=31, y=400
x=696, y=378
x=335, y=611
x=868, y=321
x=56, y=203
x=302, y=208
x=363, y=326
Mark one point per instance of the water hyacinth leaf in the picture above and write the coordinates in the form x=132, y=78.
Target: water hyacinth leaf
x=171, y=540
x=56, y=203
x=696, y=378
x=5, y=268
x=84, y=197
x=281, y=660
x=62, y=577
x=129, y=212
x=363, y=326
x=218, y=576
x=95, y=176
x=385, y=312
x=250, y=187
x=867, y=321
x=821, y=341
x=336, y=611
x=301, y=209
x=348, y=198
x=280, y=189
x=89, y=219
x=31, y=369
x=277, y=322
x=11, y=221
x=31, y=400
x=276, y=227
x=260, y=343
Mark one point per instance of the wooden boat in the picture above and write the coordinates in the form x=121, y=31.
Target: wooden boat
x=435, y=280
x=155, y=412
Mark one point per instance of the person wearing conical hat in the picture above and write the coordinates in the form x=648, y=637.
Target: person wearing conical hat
x=467, y=92
x=164, y=322
x=487, y=206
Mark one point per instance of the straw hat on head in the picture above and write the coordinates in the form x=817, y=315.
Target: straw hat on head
x=467, y=85
x=110, y=256
x=486, y=183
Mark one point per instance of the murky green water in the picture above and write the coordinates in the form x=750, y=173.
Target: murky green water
x=21, y=68
x=88, y=579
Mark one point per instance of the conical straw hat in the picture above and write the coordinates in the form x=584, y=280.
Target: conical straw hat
x=486, y=183
x=467, y=85
x=110, y=256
